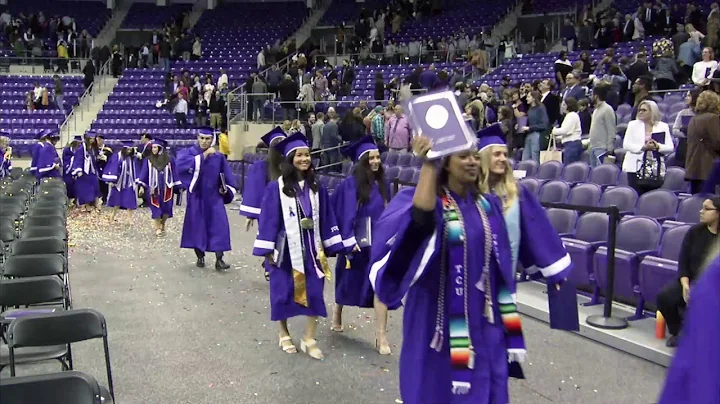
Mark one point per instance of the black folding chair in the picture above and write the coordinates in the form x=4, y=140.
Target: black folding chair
x=7, y=231
x=66, y=327
x=52, y=204
x=56, y=388
x=44, y=231
x=55, y=211
x=57, y=198
x=39, y=245
x=29, y=291
x=36, y=221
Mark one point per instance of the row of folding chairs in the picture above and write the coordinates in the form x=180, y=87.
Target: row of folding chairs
x=37, y=322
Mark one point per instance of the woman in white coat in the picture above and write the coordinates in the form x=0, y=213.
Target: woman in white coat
x=646, y=135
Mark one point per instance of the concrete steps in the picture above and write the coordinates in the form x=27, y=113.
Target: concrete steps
x=305, y=31
x=85, y=113
x=107, y=35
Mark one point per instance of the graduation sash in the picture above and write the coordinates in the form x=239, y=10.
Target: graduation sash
x=294, y=234
x=127, y=175
x=154, y=184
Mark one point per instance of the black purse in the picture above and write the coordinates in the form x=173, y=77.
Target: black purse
x=650, y=174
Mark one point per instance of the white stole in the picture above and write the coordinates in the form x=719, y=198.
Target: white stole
x=293, y=233
x=126, y=176
x=88, y=166
x=153, y=173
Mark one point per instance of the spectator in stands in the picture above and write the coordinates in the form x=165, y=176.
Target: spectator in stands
x=59, y=93
x=274, y=77
x=222, y=80
x=348, y=77
x=507, y=125
x=585, y=116
x=259, y=96
x=216, y=105
x=320, y=86
x=550, y=100
x=537, y=123
x=316, y=131
x=567, y=33
x=690, y=100
x=572, y=89
x=689, y=53
x=164, y=49
x=37, y=99
x=703, y=70
x=563, y=67
x=63, y=57
x=306, y=97
x=616, y=79
x=602, y=127
x=570, y=132
x=698, y=242
x=646, y=140
x=639, y=27
x=351, y=127
x=180, y=111
x=208, y=89
x=379, y=90
x=331, y=138
x=703, y=140
x=638, y=68
x=588, y=66
x=398, y=133
x=261, y=60
x=665, y=70
x=641, y=92
x=116, y=64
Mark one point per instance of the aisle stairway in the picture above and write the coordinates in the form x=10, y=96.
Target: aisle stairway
x=107, y=35
x=86, y=112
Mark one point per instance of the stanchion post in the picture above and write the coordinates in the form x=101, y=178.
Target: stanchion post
x=606, y=320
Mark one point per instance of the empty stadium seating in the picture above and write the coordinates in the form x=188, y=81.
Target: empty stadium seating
x=150, y=16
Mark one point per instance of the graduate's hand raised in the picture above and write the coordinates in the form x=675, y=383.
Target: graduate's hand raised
x=421, y=145
x=209, y=151
x=356, y=248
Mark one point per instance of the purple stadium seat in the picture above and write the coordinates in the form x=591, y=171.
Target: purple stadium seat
x=660, y=204
x=605, y=175
x=624, y=109
x=591, y=232
x=531, y=184
x=392, y=158
x=406, y=174
x=625, y=198
x=675, y=180
x=576, y=172
x=404, y=160
x=656, y=272
x=550, y=170
x=392, y=173
x=637, y=237
x=554, y=191
x=529, y=166
x=563, y=221
x=587, y=194
x=688, y=211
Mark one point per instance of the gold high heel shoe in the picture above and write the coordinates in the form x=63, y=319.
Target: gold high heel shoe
x=383, y=349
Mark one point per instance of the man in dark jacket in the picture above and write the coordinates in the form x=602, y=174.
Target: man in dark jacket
x=288, y=91
x=274, y=77
x=348, y=76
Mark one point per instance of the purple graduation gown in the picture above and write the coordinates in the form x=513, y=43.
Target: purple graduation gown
x=35, y=153
x=87, y=186
x=206, y=226
x=694, y=372
x=352, y=286
x=5, y=165
x=406, y=263
x=271, y=223
x=121, y=173
x=46, y=160
x=162, y=184
x=67, y=156
x=253, y=189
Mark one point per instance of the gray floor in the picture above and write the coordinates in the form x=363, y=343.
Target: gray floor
x=179, y=334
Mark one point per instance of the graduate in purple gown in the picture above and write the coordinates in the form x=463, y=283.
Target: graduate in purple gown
x=121, y=173
x=48, y=162
x=444, y=247
x=210, y=183
x=297, y=232
x=35, y=149
x=358, y=202
x=157, y=179
x=695, y=370
x=143, y=153
x=259, y=175
x=85, y=171
x=5, y=155
x=67, y=156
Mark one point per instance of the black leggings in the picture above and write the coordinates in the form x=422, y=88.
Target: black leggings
x=201, y=254
x=670, y=301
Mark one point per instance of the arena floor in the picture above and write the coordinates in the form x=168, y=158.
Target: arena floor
x=180, y=334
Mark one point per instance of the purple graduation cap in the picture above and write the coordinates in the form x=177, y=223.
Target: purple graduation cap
x=291, y=143
x=77, y=138
x=90, y=134
x=276, y=133
x=490, y=136
x=42, y=134
x=359, y=148
x=52, y=133
x=128, y=143
x=208, y=131
x=159, y=143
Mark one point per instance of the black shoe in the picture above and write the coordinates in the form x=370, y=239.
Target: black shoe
x=672, y=342
x=220, y=265
x=200, y=262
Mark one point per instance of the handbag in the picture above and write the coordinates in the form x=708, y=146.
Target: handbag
x=552, y=153
x=651, y=173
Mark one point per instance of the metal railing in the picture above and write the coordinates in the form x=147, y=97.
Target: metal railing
x=86, y=99
x=291, y=110
x=368, y=58
x=43, y=64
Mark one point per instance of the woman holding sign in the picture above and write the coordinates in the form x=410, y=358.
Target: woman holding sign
x=359, y=200
x=443, y=247
x=297, y=232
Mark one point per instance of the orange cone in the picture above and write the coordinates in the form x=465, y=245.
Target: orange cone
x=659, y=326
